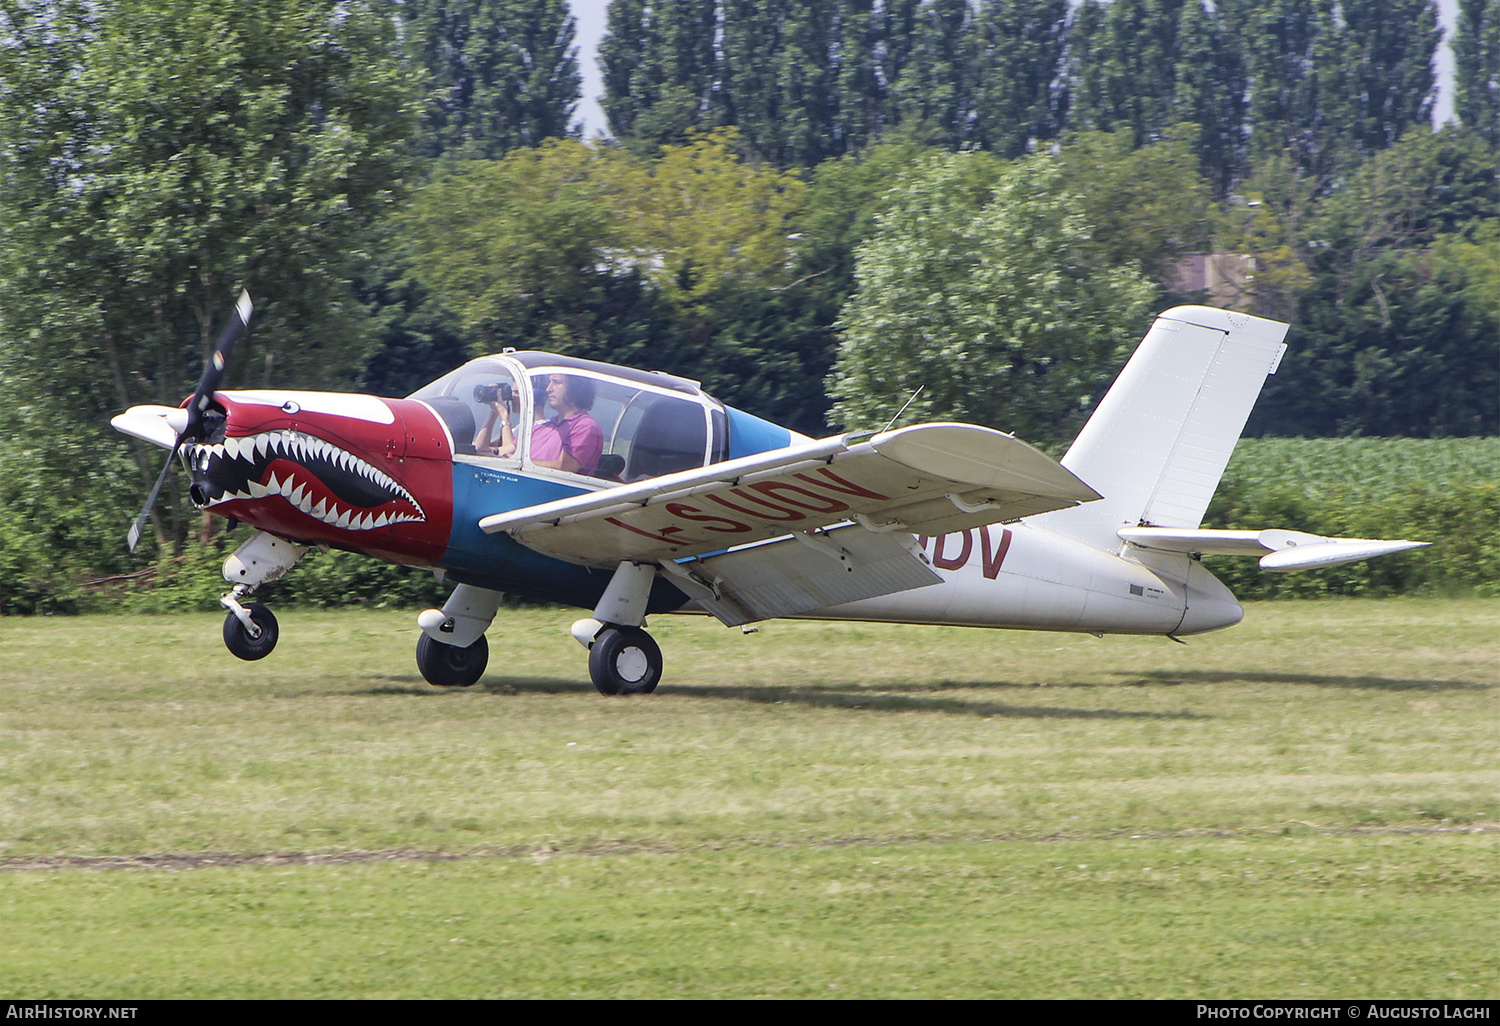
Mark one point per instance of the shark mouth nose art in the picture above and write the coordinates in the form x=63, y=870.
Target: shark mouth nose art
x=324, y=481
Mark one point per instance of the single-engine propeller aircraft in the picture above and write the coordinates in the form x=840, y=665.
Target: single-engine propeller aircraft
x=632, y=493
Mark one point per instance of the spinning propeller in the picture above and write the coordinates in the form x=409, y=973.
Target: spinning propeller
x=192, y=431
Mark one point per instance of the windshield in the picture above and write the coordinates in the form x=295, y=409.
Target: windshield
x=480, y=403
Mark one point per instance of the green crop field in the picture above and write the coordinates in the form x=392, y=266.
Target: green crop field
x=1367, y=468
x=1302, y=806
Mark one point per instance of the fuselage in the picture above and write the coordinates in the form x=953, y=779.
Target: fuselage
x=401, y=480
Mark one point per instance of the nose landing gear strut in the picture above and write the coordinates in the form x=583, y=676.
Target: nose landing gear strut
x=250, y=630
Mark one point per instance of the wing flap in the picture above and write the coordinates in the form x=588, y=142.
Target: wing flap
x=801, y=572
x=927, y=479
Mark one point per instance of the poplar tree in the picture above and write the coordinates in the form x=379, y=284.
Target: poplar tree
x=1127, y=62
x=1210, y=93
x=1476, y=58
x=499, y=75
x=931, y=89
x=1017, y=58
x=661, y=70
x=1387, y=50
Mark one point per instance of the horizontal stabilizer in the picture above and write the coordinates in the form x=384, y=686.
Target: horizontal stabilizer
x=1278, y=549
x=1333, y=551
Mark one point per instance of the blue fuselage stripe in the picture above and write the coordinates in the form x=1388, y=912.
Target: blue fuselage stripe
x=499, y=562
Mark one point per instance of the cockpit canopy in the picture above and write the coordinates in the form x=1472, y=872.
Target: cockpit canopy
x=578, y=416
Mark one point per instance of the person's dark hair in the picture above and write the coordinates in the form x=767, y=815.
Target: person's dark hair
x=580, y=391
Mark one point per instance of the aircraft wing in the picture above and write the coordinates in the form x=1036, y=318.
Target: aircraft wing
x=926, y=479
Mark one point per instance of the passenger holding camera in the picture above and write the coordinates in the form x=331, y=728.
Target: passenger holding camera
x=500, y=398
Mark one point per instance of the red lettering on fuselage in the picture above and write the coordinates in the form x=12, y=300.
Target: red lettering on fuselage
x=943, y=562
x=991, y=558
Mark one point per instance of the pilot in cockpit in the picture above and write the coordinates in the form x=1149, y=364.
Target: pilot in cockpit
x=572, y=440
x=496, y=437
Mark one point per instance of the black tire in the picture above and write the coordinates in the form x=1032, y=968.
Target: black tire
x=449, y=666
x=238, y=640
x=625, y=661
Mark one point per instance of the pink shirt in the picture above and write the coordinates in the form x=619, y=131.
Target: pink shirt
x=578, y=435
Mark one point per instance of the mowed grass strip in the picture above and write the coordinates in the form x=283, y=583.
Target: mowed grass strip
x=1302, y=805
x=1327, y=917
x=141, y=735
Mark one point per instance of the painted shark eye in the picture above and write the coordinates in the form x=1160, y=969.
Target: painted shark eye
x=290, y=407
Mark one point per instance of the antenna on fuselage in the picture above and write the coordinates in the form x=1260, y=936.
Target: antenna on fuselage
x=903, y=408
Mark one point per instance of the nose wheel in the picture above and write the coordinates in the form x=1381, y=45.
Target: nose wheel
x=255, y=639
x=624, y=661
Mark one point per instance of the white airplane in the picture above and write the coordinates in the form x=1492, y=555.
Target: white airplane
x=656, y=498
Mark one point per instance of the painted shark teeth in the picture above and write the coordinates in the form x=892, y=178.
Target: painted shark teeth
x=303, y=449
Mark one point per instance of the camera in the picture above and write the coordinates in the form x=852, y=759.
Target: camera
x=499, y=392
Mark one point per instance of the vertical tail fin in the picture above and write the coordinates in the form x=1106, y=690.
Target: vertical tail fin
x=1160, y=438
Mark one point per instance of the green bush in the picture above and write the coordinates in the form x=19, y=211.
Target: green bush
x=320, y=580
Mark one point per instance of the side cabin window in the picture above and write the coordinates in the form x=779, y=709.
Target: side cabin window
x=577, y=418
x=613, y=429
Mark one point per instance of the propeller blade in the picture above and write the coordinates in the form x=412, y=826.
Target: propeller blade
x=133, y=538
x=213, y=370
x=208, y=383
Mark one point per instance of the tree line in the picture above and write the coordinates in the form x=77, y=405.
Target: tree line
x=813, y=208
x=1321, y=83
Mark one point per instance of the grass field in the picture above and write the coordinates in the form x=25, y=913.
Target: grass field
x=1301, y=806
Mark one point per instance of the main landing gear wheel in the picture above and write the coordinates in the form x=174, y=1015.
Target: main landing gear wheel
x=449, y=666
x=624, y=661
x=239, y=640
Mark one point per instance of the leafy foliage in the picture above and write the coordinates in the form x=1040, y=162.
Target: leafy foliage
x=1397, y=320
x=1148, y=205
x=153, y=158
x=982, y=286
